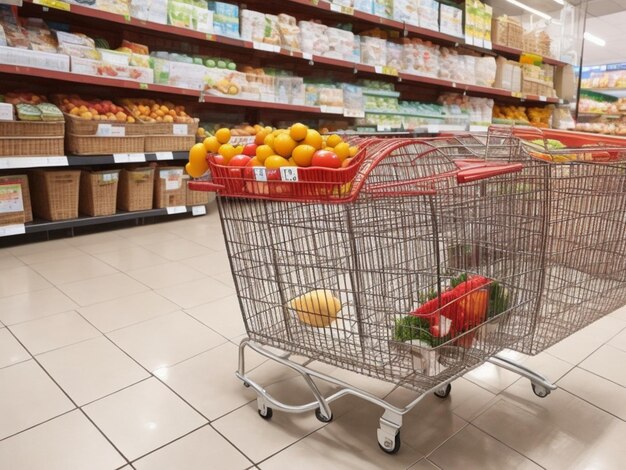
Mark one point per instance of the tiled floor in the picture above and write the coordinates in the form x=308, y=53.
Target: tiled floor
x=118, y=350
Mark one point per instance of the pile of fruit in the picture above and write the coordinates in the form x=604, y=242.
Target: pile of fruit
x=241, y=130
x=92, y=110
x=297, y=146
x=147, y=110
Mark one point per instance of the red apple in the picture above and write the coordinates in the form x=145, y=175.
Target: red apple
x=326, y=158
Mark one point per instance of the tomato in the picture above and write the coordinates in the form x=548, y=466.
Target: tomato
x=249, y=150
x=272, y=186
x=325, y=158
x=239, y=160
x=216, y=158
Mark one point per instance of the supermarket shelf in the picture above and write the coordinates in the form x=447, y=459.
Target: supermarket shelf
x=39, y=226
x=606, y=115
x=512, y=52
x=85, y=160
x=615, y=92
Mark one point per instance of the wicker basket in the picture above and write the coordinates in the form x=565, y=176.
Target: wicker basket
x=169, y=189
x=171, y=143
x=93, y=145
x=9, y=216
x=98, y=192
x=54, y=194
x=84, y=127
x=135, y=189
x=195, y=198
x=23, y=138
x=23, y=179
x=166, y=128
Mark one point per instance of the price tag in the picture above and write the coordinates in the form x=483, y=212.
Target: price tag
x=118, y=131
x=353, y=113
x=543, y=98
x=176, y=210
x=260, y=174
x=516, y=94
x=198, y=210
x=331, y=109
x=8, y=230
x=210, y=37
x=469, y=40
x=487, y=45
x=31, y=162
x=433, y=128
x=129, y=157
x=107, y=130
x=342, y=9
x=378, y=68
x=289, y=173
x=453, y=84
x=560, y=100
x=165, y=156
x=53, y=4
x=56, y=161
x=307, y=56
x=380, y=128
x=180, y=129
x=143, y=86
x=390, y=71
x=261, y=46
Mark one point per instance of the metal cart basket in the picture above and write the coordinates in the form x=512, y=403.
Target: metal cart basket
x=425, y=262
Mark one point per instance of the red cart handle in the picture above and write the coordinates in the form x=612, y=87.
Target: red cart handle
x=206, y=186
x=473, y=173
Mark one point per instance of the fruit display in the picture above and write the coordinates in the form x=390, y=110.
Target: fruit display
x=92, y=109
x=148, y=110
x=510, y=113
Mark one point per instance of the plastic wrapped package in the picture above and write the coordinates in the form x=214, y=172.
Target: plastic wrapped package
x=382, y=8
x=420, y=57
x=480, y=111
x=219, y=81
x=313, y=38
x=468, y=71
x=394, y=55
x=39, y=35
x=405, y=11
x=75, y=38
x=485, y=71
x=289, y=32
x=508, y=75
x=366, y=6
x=331, y=96
x=373, y=51
x=451, y=20
x=14, y=35
x=343, y=3
x=353, y=102
x=225, y=18
x=120, y=7
x=289, y=90
x=428, y=13
x=340, y=44
x=448, y=60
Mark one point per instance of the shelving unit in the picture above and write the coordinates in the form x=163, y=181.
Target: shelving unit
x=10, y=163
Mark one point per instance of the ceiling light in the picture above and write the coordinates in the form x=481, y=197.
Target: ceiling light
x=594, y=39
x=523, y=6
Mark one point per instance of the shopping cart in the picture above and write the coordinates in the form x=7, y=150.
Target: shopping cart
x=421, y=262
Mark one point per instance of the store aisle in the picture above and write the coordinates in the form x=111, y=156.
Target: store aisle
x=118, y=350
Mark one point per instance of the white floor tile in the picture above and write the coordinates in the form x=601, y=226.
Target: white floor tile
x=54, y=331
x=129, y=258
x=33, y=305
x=28, y=397
x=164, y=275
x=179, y=250
x=223, y=316
x=92, y=369
x=19, y=280
x=101, y=289
x=166, y=340
x=67, y=442
x=11, y=351
x=194, y=293
x=608, y=362
x=75, y=268
x=52, y=254
x=141, y=418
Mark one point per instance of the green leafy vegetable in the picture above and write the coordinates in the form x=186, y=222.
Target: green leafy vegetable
x=499, y=299
x=411, y=327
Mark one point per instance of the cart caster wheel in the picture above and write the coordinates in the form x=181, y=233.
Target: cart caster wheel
x=322, y=418
x=246, y=384
x=444, y=391
x=268, y=413
x=396, y=445
x=540, y=391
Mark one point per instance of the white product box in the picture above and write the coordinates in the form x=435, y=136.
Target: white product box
x=451, y=20
x=100, y=69
x=6, y=112
x=192, y=76
x=428, y=12
x=28, y=58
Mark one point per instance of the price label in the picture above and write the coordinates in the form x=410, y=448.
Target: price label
x=53, y=4
x=260, y=174
x=8, y=230
x=390, y=71
x=433, y=128
x=210, y=37
x=516, y=94
x=143, y=86
x=453, y=84
x=176, y=210
x=261, y=46
x=56, y=161
x=180, y=129
x=31, y=162
x=331, y=109
x=378, y=68
x=381, y=128
x=353, y=113
x=289, y=173
x=165, y=156
x=129, y=157
x=469, y=40
x=342, y=9
x=487, y=45
x=198, y=210
x=307, y=56
x=107, y=130
x=543, y=98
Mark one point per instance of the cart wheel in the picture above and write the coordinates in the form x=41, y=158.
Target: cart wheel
x=444, y=391
x=540, y=391
x=246, y=384
x=321, y=417
x=396, y=445
x=268, y=413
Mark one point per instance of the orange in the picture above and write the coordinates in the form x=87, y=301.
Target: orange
x=260, y=137
x=269, y=140
x=298, y=131
x=223, y=135
x=292, y=162
x=313, y=138
x=194, y=171
x=330, y=149
x=197, y=155
x=254, y=161
x=284, y=145
x=275, y=161
x=354, y=150
x=239, y=149
x=211, y=144
x=342, y=150
x=263, y=151
x=303, y=154
x=333, y=140
x=227, y=151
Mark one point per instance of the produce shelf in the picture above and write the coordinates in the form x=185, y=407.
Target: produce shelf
x=39, y=226
x=7, y=163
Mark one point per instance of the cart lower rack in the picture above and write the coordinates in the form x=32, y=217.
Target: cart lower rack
x=424, y=263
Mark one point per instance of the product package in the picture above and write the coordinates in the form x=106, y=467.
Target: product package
x=428, y=13
x=451, y=20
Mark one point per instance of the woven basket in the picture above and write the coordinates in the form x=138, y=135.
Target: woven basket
x=23, y=179
x=93, y=145
x=32, y=129
x=98, y=192
x=195, y=198
x=13, y=217
x=167, y=128
x=171, y=143
x=84, y=127
x=23, y=138
x=54, y=194
x=169, y=189
x=135, y=189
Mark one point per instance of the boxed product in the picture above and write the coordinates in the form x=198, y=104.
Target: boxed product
x=428, y=12
x=98, y=192
x=252, y=25
x=289, y=32
x=405, y=11
x=225, y=18
x=11, y=202
x=28, y=58
x=353, y=102
x=313, y=38
x=224, y=82
x=508, y=75
x=180, y=13
x=183, y=75
x=485, y=71
x=135, y=189
x=39, y=35
x=6, y=112
x=420, y=57
x=149, y=10
x=507, y=31
x=289, y=90
x=450, y=20
x=340, y=44
x=373, y=51
x=382, y=8
x=22, y=180
x=394, y=55
x=126, y=72
x=120, y=7
x=169, y=189
x=565, y=83
x=366, y=6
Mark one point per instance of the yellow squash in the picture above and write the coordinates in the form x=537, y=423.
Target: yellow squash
x=317, y=308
